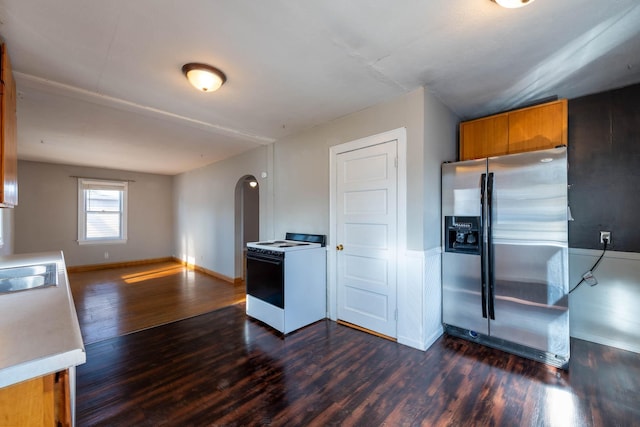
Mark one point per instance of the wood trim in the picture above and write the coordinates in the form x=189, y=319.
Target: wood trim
x=8, y=131
x=62, y=399
x=369, y=331
x=94, y=267
x=235, y=281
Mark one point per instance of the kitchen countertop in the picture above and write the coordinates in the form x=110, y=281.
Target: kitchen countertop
x=39, y=330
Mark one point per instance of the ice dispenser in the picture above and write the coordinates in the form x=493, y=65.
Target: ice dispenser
x=462, y=234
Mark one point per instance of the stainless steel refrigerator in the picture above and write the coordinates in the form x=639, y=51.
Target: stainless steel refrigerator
x=505, y=253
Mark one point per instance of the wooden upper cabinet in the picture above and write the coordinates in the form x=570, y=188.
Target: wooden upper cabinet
x=484, y=137
x=9, y=140
x=539, y=127
x=528, y=129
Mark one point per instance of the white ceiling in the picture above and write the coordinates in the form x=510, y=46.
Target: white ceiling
x=99, y=82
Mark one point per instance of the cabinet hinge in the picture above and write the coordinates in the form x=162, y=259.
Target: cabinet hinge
x=395, y=162
x=395, y=314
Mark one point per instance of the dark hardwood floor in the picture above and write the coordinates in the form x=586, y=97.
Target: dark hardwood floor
x=223, y=369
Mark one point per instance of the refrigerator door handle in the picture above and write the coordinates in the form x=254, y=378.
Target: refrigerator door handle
x=490, y=255
x=483, y=280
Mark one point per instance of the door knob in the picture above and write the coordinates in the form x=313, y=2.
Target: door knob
x=339, y=247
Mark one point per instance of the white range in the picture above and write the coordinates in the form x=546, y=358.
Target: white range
x=287, y=281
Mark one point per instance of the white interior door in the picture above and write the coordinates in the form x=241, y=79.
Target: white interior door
x=366, y=236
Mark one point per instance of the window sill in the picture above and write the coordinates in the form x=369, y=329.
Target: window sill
x=103, y=242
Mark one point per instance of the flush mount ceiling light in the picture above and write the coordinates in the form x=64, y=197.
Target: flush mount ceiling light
x=512, y=4
x=204, y=77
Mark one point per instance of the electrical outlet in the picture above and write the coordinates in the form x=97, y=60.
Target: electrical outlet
x=605, y=235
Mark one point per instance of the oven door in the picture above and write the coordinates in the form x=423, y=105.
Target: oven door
x=265, y=277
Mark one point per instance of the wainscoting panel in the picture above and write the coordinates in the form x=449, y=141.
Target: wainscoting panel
x=606, y=313
x=420, y=299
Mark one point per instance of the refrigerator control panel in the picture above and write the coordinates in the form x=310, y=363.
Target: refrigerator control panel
x=462, y=234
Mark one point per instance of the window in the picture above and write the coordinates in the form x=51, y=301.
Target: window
x=102, y=211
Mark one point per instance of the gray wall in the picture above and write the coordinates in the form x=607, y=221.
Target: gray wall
x=604, y=173
x=47, y=213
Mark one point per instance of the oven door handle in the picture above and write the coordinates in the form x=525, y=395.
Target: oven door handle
x=265, y=258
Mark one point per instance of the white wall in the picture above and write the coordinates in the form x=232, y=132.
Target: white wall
x=440, y=145
x=301, y=166
x=440, y=130
x=295, y=194
x=205, y=218
x=47, y=212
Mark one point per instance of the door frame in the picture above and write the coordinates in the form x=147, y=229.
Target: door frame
x=240, y=213
x=399, y=135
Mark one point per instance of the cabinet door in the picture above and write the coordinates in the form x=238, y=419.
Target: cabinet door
x=484, y=137
x=538, y=127
x=29, y=403
x=9, y=141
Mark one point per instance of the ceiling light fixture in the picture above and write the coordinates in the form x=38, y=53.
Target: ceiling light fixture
x=204, y=77
x=512, y=4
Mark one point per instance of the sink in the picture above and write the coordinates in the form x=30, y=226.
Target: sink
x=15, y=279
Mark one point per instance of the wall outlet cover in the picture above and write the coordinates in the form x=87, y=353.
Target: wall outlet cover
x=590, y=278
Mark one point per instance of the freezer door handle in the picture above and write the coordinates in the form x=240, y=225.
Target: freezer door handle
x=483, y=280
x=490, y=255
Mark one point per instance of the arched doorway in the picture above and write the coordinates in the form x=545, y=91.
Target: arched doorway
x=247, y=218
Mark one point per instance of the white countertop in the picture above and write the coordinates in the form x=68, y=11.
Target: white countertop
x=39, y=330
